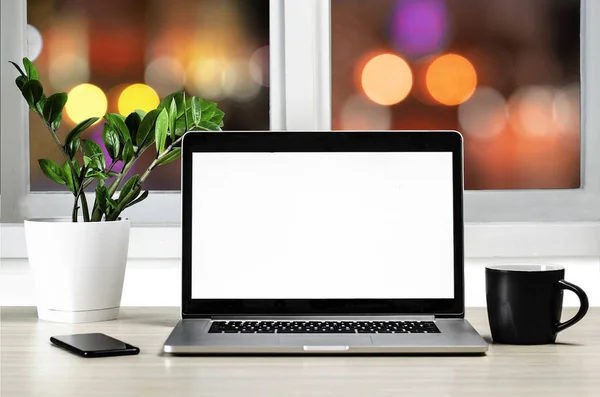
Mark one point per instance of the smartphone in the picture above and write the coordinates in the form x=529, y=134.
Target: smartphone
x=94, y=345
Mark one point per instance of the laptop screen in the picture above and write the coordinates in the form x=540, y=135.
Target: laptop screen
x=322, y=225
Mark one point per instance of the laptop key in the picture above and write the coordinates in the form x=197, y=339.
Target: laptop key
x=324, y=327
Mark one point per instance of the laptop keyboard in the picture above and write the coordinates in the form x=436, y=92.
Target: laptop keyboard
x=323, y=327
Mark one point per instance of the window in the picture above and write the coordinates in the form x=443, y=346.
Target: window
x=309, y=86
x=122, y=55
x=505, y=74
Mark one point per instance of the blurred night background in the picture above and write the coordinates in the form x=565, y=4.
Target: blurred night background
x=505, y=73
x=121, y=55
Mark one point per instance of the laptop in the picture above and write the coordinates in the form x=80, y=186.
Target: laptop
x=323, y=243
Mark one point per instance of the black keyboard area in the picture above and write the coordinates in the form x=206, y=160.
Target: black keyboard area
x=323, y=327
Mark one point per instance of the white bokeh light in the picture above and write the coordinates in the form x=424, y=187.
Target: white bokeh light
x=532, y=109
x=485, y=114
x=237, y=81
x=165, y=75
x=204, y=78
x=567, y=109
x=68, y=70
x=35, y=42
x=259, y=66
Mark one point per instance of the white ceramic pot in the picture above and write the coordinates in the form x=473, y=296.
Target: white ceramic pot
x=77, y=268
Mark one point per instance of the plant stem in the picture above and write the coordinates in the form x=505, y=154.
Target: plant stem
x=155, y=162
x=84, y=206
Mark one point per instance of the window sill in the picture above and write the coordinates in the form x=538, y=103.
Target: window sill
x=482, y=240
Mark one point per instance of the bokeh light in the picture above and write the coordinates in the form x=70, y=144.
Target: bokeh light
x=387, y=79
x=259, y=66
x=204, y=78
x=85, y=101
x=165, y=75
x=35, y=42
x=237, y=81
x=358, y=113
x=451, y=79
x=485, y=114
x=532, y=111
x=566, y=109
x=137, y=96
x=420, y=27
x=68, y=70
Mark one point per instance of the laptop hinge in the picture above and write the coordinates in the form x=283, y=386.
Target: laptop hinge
x=331, y=317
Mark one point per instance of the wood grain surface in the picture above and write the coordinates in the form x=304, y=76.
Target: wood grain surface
x=30, y=366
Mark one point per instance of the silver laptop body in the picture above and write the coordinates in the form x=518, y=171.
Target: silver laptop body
x=323, y=243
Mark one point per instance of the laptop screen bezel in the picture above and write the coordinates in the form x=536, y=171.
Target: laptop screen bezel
x=346, y=141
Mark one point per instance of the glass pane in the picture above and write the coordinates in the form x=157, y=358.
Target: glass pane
x=216, y=50
x=505, y=73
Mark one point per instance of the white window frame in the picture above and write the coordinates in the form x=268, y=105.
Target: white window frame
x=499, y=223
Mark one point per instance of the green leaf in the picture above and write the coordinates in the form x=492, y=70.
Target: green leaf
x=217, y=117
x=54, y=106
x=208, y=109
x=140, y=113
x=112, y=204
x=40, y=105
x=111, y=141
x=95, y=153
x=73, y=147
x=117, y=122
x=170, y=157
x=56, y=123
x=68, y=177
x=79, y=128
x=145, y=135
x=209, y=126
x=173, y=119
x=21, y=81
x=185, y=116
x=179, y=100
x=30, y=69
x=32, y=92
x=126, y=189
x=127, y=152
x=140, y=198
x=52, y=170
x=18, y=68
x=133, y=122
x=161, y=129
x=96, y=175
x=101, y=195
x=196, y=111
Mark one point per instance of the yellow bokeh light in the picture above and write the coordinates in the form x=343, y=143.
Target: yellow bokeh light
x=137, y=96
x=387, y=79
x=451, y=79
x=85, y=101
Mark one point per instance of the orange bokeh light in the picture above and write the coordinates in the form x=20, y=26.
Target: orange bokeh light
x=451, y=79
x=386, y=79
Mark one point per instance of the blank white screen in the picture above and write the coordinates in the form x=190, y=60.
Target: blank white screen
x=322, y=225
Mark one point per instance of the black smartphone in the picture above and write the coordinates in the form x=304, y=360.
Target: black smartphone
x=94, y=345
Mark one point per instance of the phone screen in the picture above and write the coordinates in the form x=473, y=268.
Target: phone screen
x=93, y=344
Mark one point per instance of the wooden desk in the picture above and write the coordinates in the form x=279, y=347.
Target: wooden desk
x=32, y=367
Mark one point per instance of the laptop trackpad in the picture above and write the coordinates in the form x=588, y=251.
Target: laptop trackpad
x=333, y=341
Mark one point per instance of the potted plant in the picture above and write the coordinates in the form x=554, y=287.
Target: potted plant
x=78, y=264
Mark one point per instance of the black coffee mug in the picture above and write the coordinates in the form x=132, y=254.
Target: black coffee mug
x=524, y=303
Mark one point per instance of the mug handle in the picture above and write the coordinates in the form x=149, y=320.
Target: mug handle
x=583, y=308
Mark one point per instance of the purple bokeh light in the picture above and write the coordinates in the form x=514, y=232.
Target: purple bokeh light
x=420, y=27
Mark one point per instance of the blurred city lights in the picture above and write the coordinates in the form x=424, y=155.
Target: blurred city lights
x=358, y=113
x=419, y=27
x=485, y=114
x=566, y=109
x=451, y=79
x=34, y=42
x=532, y=111
x=204, y=78
x=165, y=75
x=85, y=101
x=68, y=70
x=387, y=79
x=137, y=96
